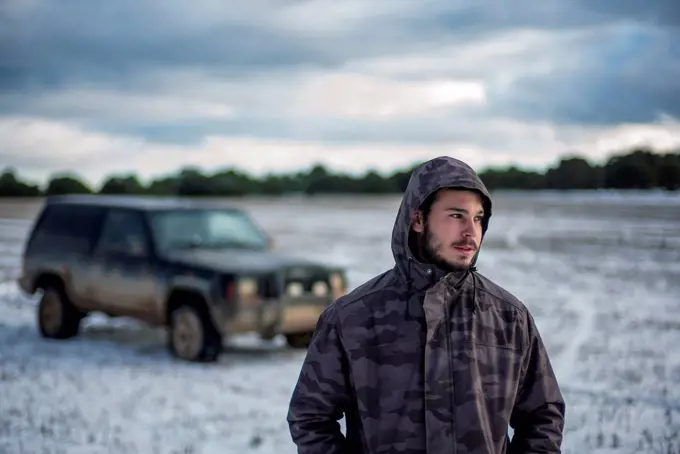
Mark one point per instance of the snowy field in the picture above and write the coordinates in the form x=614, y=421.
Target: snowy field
x=601, y=274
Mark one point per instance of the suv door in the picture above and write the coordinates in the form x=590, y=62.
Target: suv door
x=122, y=261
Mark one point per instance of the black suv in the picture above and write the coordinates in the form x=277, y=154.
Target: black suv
x=203, y=269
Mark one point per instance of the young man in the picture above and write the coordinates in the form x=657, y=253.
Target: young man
x=429, y=357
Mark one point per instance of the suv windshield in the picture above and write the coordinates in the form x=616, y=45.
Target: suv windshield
x=212, y=228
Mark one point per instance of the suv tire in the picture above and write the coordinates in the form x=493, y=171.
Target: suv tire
x=57, y=317
x=192, y=335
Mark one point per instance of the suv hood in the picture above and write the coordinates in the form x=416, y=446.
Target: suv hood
x=239, y=260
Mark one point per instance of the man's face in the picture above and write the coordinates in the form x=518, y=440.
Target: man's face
x=452, y=233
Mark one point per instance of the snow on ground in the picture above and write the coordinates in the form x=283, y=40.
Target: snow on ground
x=609, y=313
x=116, y=389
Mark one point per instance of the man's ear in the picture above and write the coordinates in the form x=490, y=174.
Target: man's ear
x=418, y=222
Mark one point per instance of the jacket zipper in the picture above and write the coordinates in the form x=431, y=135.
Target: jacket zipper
x=449, y=352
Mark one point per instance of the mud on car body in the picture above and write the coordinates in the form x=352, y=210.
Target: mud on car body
x=203, y=269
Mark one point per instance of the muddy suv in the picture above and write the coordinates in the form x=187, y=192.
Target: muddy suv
x=204, y=270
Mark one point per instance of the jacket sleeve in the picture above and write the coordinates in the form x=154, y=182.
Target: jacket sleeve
x=538, y=416
x=321, y=395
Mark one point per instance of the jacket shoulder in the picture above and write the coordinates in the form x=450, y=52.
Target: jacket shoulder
x=375, y=313
x=368, y=290
x=498, y=296
x=355, y=302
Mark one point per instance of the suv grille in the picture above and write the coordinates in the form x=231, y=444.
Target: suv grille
x=301, y=281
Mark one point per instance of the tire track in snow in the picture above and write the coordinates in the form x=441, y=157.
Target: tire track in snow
x=567, y=361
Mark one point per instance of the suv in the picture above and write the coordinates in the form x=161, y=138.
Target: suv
x=202, y=269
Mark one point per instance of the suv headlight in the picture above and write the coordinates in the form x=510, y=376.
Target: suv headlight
x=338, y=287
x=246, y=287
x=247, y=291
x=320, y=289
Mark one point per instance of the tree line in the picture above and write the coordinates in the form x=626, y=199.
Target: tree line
x=636, y=169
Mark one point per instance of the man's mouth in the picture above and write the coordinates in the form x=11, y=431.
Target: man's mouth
x=465, y=249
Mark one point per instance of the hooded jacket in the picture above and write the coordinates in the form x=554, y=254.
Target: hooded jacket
x=419, y=360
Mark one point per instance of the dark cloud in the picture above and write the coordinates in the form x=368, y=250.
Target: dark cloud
x=465, y=20
x=631, y=75
x=80, y=40
x=594, y=100
x=469, y=20
x=654, y=12
x=60, y=43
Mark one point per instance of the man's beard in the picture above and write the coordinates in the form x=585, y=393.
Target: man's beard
x=431, y=247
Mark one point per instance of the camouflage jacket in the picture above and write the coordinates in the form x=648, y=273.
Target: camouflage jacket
x=420, y=361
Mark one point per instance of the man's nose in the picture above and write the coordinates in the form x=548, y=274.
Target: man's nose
x=468, y=229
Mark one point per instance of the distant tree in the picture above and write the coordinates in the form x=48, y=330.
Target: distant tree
x=512, y=178
x=121, y=185
x=636, y=169
x=373, y=183
x=275, y=184
x=400, y=179
x=317, y=180
x=11, y=186
x=191, y=182
x=669, y=172
x=229, y=182
x=66, y=184
x=167, y=185
x=573, y=173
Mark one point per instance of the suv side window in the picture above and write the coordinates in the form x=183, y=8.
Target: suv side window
x=123, y=232
x=66, y=228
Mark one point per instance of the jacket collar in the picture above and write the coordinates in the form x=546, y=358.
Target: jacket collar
x=422, y=276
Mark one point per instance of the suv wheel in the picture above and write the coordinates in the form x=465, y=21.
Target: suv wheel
x=193, y=337
x=57, y=317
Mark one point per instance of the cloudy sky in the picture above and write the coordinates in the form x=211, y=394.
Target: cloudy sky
x=277, y=85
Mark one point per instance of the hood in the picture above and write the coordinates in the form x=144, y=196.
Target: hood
x=239, y=260
x=438, y=173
